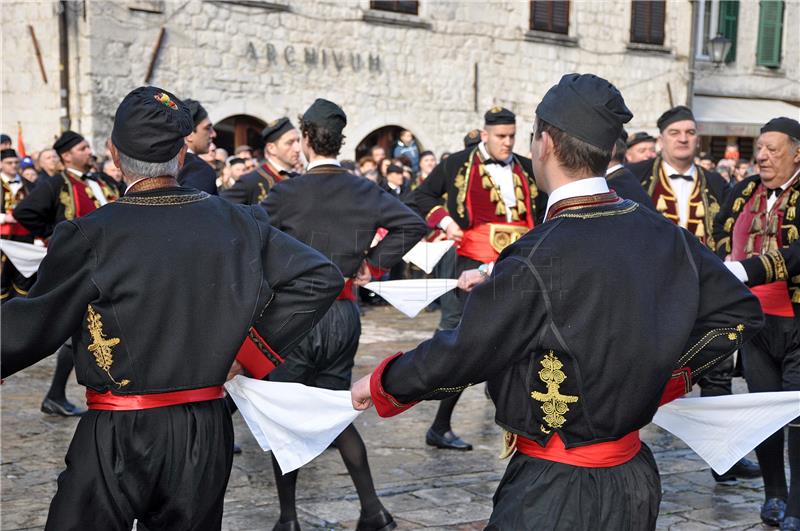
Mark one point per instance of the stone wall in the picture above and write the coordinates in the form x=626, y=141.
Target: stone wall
x=267, y=61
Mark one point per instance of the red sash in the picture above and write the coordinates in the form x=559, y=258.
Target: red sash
x=597, y=455
x=108, y=401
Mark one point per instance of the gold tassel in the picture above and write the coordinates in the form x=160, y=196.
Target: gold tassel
x=509, y=444
x=514, y=215
x=748, y=249
x=518, y=193
x=661, y=204
x=700, y=231
x=521, y=208
x=486, y=182
x=701, y=210
x=517, y=181
x=755, y=226
x=756, y=204
x=792, y=235
x=501, y=209
x=773, y=226
x=791, y=212
x=793, y=198
x=494, y=197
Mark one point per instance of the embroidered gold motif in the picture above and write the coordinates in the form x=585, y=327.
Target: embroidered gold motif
x=792, y=233
x=460, y=183
x=749, y=189
x=740, y=327
x=162, y=200
x=509, y=444
x=738, y=204
x=554, y=404
x=102, y=347
x=262, y=193
x=728, y=224
x=501, y=236
x=68, y=200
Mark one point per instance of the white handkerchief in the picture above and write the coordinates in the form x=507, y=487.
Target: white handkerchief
x=295, y=421
x=26, y=257
x=411, y=296
x=425, y=255
x=723, y=429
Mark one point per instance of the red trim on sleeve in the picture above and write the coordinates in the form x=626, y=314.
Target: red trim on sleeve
x=385, y=404
x=256, y=356
x=376, y=271
x=437, y=214
x=679, y=384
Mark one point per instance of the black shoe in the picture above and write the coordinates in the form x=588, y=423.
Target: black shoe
x=64, y=408
x=790, y=523
x=380, y=521
x=745, y=468
x=448, y=440
x=291, y=525
x=236, y=449
x=772, y=511
x=726, y=478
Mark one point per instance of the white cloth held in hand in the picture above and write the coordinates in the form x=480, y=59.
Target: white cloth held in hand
x=425, y=255
x=738, y=270
x=411, y=296
x=723, y=429
x=294, y=421
x=26, y=257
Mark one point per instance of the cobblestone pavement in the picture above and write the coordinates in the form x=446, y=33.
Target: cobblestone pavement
x=423, y=488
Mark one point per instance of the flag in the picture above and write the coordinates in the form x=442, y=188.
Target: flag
x=20, y=143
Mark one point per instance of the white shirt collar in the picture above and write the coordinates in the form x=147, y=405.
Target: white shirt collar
x=76, y=173
x=581, y=187
x=485, y=153
x=9, y=178
x=669, y=170
x=788, y=183
x=612, y=169
x=277, y=165
x=322, y=162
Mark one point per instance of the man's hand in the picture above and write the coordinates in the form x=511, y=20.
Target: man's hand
x=454, y=232
x=235, y=369
x=360, y=394
x=469, y=279
x=364, y=275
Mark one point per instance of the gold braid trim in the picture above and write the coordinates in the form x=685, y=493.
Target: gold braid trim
x=162, y=200
x=781, y=271
x=769, y=273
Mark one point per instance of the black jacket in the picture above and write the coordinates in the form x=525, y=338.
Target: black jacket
x=159, y=289
x=338, y=214
x=196, y=173
x=570, y=335
x=628, y=186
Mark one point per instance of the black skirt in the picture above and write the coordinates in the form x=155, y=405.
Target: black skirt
x=544, y=495
x=324, y=358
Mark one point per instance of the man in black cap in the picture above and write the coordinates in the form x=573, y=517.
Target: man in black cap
x=560, y=326
x=337, y=213
x=197, y=173
x=395, y=183
x=282, y=152
x=14, y=189
x=758, y=223
x=690, y=196
x=492, y=200
x=640, y=147
x=621, y=180
x=5, y=142
x=68, y=195
x=136, y=285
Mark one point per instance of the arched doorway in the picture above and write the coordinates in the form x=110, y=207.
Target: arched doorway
x=386, y=137
x=239, y=130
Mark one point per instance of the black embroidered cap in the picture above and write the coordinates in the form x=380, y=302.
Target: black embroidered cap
x=783, y=125
x=67, y=141
x=638, y=138
x=8, y=154
x=675, y=114
x=587, y=107
x=499, y=116
x=473, y=138
x=326, y=114
x=275, y=129
x=150, y=125
x=197, y=111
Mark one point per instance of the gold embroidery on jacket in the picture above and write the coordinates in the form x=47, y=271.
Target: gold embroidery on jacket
x=554, y=404
x=102, y=347
x=67, y=199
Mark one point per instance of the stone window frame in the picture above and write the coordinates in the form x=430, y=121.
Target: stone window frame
x=390, y=18
x=567, y=39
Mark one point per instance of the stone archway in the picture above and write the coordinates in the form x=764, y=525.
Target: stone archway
x=238, y=130
x=385, y=128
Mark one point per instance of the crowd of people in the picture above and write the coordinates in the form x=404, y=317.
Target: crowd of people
x=587, y=192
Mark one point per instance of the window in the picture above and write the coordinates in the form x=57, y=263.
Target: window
x=770, y=32
x=717, y=17
x=647, y=21
x=550, y=15
x=403, y=6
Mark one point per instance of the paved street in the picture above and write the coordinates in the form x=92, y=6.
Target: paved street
x=424, y=488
